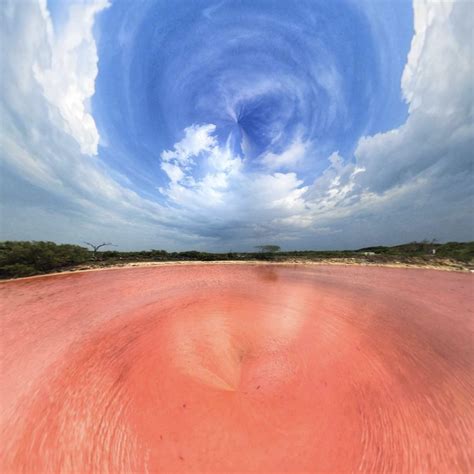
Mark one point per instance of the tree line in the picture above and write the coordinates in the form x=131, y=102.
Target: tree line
x=27, y=258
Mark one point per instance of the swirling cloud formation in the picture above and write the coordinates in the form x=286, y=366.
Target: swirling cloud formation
x=219, y=124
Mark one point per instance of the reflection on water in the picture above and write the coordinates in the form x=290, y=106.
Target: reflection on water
x=211, y=340
x=267, y=273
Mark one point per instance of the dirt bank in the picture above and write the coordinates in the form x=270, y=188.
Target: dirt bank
x=238, y=368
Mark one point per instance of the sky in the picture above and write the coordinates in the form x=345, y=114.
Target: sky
x=222, y=125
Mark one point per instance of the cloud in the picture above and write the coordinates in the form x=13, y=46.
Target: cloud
x=437, y=83
x=288, y=159
x=180, y=165
x=174, y=171
x=225, y=187
x=230, y=203
x=197, y=139
x=411, y=182
x=62, y=190
x=417, y=180
x=67, y=74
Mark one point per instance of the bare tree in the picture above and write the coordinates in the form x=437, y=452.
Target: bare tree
x=95, y=248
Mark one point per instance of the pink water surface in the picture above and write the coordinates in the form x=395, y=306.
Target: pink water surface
x=226, y=368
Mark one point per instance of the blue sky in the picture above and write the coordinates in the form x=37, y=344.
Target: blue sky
x=223, y=125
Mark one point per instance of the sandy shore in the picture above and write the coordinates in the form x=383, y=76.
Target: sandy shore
x=442, y=264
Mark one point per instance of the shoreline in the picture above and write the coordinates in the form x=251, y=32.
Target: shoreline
x=449, y=266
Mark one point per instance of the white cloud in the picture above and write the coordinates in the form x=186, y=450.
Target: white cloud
x=174, y=172
x=437, y=82
x=231, y=202
x=197, y=139
x=288, y=159
x=67, y=74
x=220, y=165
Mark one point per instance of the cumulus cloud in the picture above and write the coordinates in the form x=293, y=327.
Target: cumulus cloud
x=226, y=190
x=67, y=74
x=197, y=139
x=288, y=159
x=437, y=83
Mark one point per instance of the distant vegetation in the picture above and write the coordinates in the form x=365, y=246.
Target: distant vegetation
x=268, y=248
x=462, y=251
x=20, y=259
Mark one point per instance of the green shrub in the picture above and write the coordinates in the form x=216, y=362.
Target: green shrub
x=25, y=258
x=17, y=270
